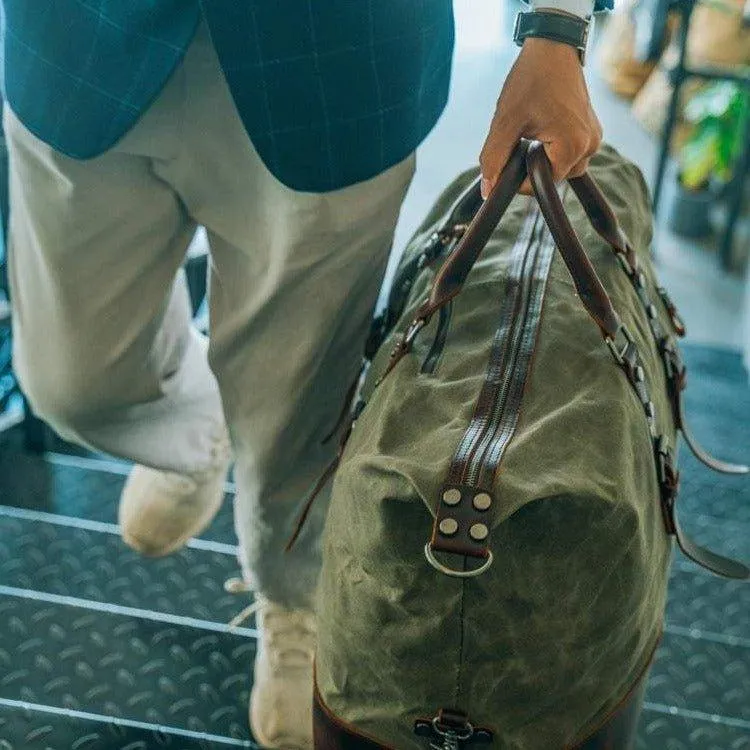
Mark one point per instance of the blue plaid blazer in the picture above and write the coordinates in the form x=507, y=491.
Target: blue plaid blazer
x=331, y=92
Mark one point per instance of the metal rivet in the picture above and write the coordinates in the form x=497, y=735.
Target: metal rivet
x=452, y=497
x=448, y=526
x=641, y=279
x=650, y=411
x=640, y=374
x=482, y=501
x=651, y=309
x=478, y=532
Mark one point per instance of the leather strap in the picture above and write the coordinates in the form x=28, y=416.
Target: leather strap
x=587, y=282
x=602, y=217
x=558, y=27
x=528, y=158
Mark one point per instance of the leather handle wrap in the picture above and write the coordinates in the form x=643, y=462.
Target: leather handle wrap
x=529, y=158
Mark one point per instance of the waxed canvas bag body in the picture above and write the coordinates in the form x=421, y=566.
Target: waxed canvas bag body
x=500, y=530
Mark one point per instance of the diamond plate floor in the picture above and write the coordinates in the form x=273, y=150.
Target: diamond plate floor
x=103, y=650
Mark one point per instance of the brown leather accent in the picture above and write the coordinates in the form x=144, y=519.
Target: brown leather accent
x=501, y=370
x=522, y=365
x=676, y=373
x=346, y=409
x=602, y=217
x=617, y=731
x=452, y=275
x=672, y=311
x=590, y=289
x=466, y=516
x=676, y=376
x=700, y=453
x=718, y=564
x=323, y=480
x=669, y=482
x=528, y=157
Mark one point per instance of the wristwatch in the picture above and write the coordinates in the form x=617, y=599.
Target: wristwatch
x=559, y=27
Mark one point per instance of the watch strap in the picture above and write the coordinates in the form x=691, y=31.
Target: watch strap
x=558, y=27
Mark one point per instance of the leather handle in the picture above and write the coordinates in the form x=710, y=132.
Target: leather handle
x=602, y=217
x=587, y=282
x=454, y=271
x=529, y=158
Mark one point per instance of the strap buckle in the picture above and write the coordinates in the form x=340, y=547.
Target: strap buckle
x=673, y=363
x=669, y=482
x=619, y=352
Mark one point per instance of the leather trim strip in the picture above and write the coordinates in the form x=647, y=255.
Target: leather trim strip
x=466, y=504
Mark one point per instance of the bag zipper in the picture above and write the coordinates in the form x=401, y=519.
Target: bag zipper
x=497, y=378
x=489, y=449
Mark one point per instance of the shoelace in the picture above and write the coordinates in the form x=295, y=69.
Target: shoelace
x=239, y=586
x=295, y=623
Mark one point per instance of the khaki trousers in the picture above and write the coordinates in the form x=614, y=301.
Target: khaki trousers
x=104, y=347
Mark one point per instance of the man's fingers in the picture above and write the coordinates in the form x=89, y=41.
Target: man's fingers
x=570, y=157
x=580, y=168
x=566, y=155
x=495, y=154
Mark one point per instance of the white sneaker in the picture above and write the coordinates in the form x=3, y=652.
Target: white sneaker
x=282, y=695
x=160, y=511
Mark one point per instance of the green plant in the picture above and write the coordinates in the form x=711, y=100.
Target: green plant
x=716, y=115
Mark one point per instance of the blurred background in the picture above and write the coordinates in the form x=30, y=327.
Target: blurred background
x=141, y=656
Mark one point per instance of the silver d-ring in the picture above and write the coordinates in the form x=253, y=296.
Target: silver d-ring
x=456, y=573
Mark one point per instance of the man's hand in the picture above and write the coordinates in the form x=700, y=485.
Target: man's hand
x=544, y=98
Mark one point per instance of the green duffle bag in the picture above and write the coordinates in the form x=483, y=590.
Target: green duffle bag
x=499, y=535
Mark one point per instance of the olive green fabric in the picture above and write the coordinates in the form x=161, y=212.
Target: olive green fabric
x=544, y=644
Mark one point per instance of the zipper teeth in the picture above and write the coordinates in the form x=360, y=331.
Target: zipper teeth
x=500, y=344
x=516, y=338
x=509, y=419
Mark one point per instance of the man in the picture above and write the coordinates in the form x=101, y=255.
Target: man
x=288, y=130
